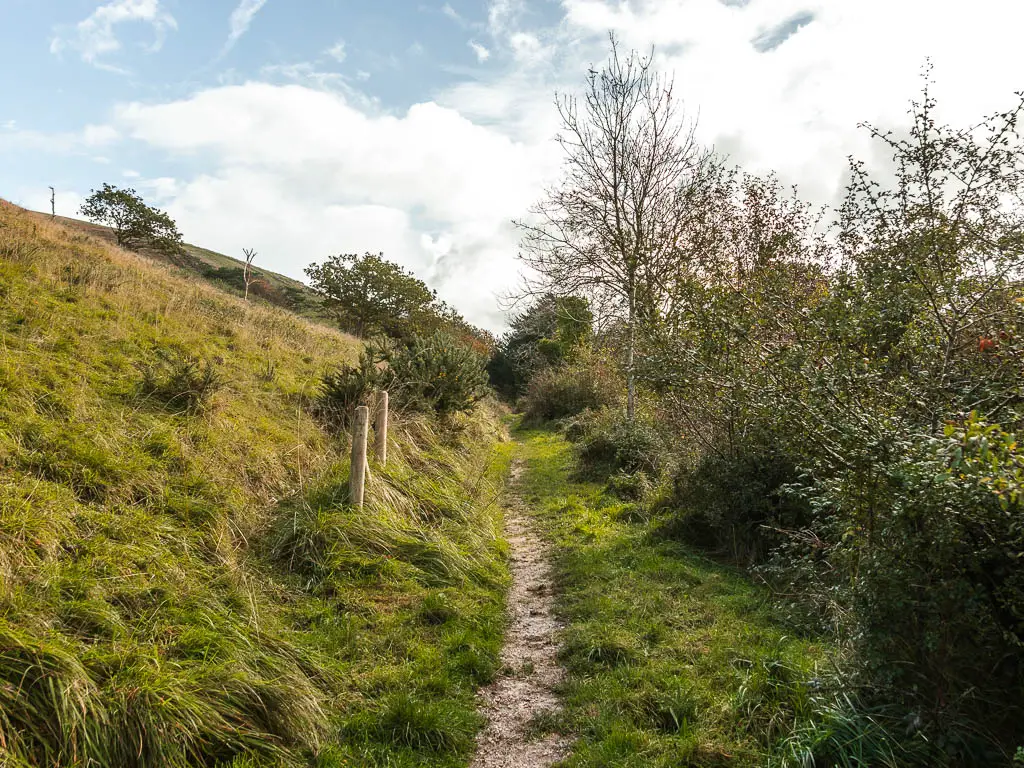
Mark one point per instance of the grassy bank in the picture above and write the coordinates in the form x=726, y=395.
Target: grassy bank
x=181, y=581
x=672, y=659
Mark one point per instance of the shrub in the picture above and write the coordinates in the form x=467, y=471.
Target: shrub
x=181, y=381
x=933, y=542
x=733, y=499
x=607, y=444
x=345, y=388
x=568, y=390
x=629, y=486
x=438, y=374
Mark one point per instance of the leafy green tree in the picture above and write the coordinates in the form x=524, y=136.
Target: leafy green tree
x=369, y=294
x=135, y=224
x=548, y=332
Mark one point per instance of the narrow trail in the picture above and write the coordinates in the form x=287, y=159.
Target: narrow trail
x=530, y=669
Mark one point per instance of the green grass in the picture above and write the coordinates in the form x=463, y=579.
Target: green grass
x=672, y=659
x=181, y=580
x=225, y=272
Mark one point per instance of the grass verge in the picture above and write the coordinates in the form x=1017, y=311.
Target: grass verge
x=181, y=580
x=672, y=659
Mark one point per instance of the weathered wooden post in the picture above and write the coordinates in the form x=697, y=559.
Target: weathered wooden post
x=357, y=474
x=380, y=429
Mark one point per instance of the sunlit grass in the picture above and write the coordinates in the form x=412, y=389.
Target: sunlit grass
x=181, y=581
x=672, y=659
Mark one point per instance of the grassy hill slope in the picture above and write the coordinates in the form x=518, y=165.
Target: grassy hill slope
x=223, y=271
x=181, y=582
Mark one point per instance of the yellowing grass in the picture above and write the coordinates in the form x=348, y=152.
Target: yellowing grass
x=181, y=581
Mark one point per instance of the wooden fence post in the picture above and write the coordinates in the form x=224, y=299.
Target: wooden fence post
x=357, y=473
x=380, y=429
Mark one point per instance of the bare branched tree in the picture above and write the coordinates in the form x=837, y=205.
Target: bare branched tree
x=614, y=228
x=53, y=203
x=248, y=275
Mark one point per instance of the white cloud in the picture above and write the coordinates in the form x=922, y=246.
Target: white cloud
x=451, y=13
x=304, y=173
x=503, y=15
x=95, y=37
x=314, y=167
x=482, y=54
x=99, y=135
x=68, y=143
x=241, y=20
x=794, y=105
x=337, y=51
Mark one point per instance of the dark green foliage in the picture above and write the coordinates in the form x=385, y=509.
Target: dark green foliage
x=854, y=428
x=607, y=443
x=135, y=224
x=437, y=374
x=631, y=486
x=550, y=332
x=180, y=381
x=370, y=295
x=937, y=596
x=344, y=388
x=735, y=499
x=589, y=383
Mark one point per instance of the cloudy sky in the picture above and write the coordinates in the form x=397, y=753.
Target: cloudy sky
x=421, y=128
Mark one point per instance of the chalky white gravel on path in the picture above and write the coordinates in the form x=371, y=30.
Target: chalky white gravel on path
x=530, y=669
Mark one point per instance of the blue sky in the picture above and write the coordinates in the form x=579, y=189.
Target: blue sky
x=422, y=128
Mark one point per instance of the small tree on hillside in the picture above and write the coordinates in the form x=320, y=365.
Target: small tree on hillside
x=135, y=224
x=247, y=275
x=369, y=294
x=614, y=227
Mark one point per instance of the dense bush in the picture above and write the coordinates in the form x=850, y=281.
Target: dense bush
x=550, y=332
x=854, y=403
x=343, y=389
x=843, y=405
x=438, y=374
x=735, y=499
x=590, y=383
x=935, y=607
x=607, y=444
x=631, y=486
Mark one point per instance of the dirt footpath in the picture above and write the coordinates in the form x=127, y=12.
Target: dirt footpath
x=530, y=670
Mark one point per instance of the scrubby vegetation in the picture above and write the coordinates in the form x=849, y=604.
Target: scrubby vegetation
x=372, y=297
x=831, y=401
x=181, y=581
x=674, y=659
x=436, y=375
